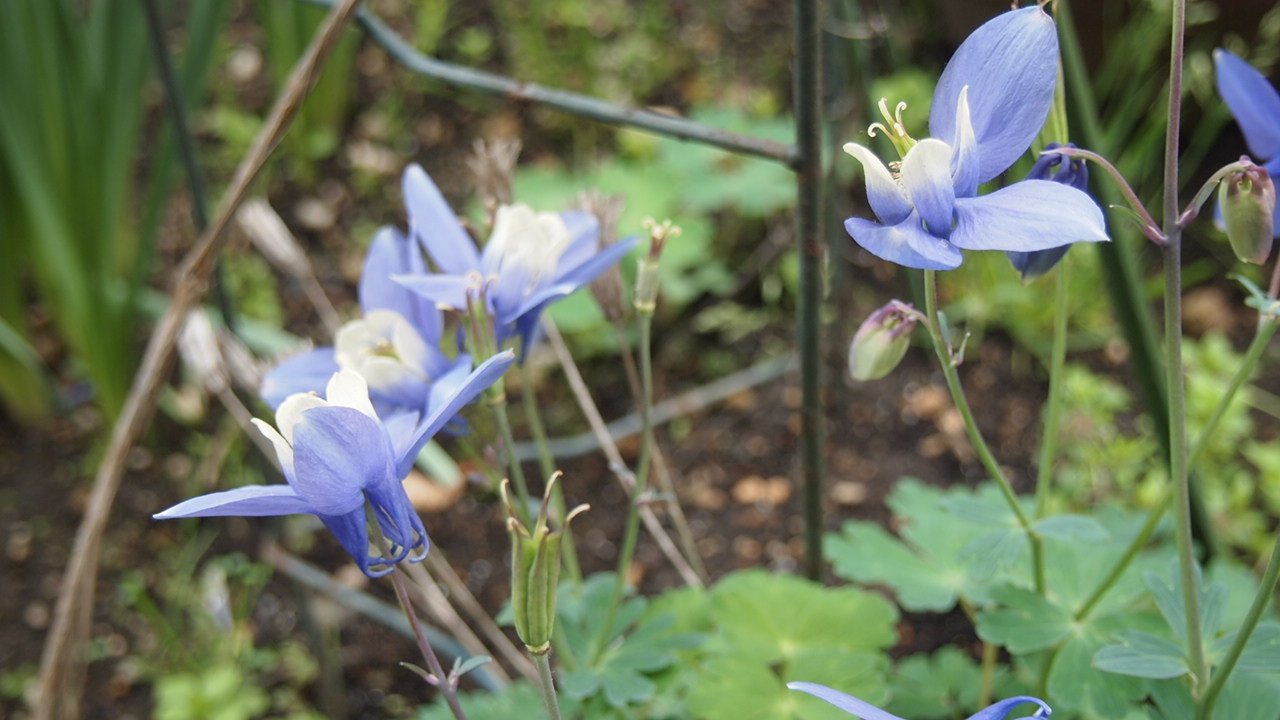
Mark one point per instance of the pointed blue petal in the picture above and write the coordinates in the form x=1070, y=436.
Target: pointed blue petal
x=902, y=244
x=1032, y=265
x=926, y=178
x=584, y=229
x=1001, y=710
x=352, y=531
x=308, y=372
x=447, y=291
x=337, y=453
x=884, y=194
x=1026, y=216
x=248, y=501
x=1010, y=65
x=581, y=271
x=847, y=703
x=398, y=519
x=444, y=408
x=394, y=254
x=1253, y=101
x=433, y=223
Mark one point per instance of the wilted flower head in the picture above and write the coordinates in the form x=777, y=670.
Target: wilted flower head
x=338, y=454
x=1247, y=201
x=882, y=341
x=990, y=103
x=531, y=260
x=867, y=711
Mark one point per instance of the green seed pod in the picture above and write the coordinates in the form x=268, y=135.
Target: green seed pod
x=1248, y=201
x=535, y=572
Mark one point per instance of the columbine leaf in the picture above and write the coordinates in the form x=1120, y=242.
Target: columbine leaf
x=1143, y=655
x=1075, y=685
x=1072, y=528
x=944, y=685
x=1167, y=591
x=1025, y=622
x=996, y=551
x=1261, y=653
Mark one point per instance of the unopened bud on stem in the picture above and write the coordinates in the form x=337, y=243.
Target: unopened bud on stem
x=1248, y=201
x=882, y=341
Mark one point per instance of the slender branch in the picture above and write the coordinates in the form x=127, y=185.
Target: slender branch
x=443, y=681
x=1149, y=226
x=570, y=102
x=1053, y=413
x=1261, y=338
x=548, y=684
x=57, y=693
x=1174, y=381
x=943, y=351
x=1202, y=195
x=1139, y=541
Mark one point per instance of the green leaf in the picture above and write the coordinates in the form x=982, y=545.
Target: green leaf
x=998, y=550
x=923, y=567
x=1025, y=622
x=770, y=617
x=1074, y=684
x=943, y=685
x=1261, y=653
x=1072, y=529
x=520, y=699
x=1169, y=597
x=1143, y=655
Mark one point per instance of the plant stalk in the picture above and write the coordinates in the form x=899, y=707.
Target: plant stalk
x=433, y=663
x=942, y=349
x=1053, y=413
x=548, y=684
x=1266, y=592
x=1174, y=382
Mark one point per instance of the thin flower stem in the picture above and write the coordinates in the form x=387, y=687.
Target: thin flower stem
x=942, y=349
x=548, y=684
x=509, y=443
x=1266, y=591
x=433, y=663
x=547, y=463
x=1053, y=411
x=1139, y=541
x=642, y=478
x=1175, y=384
x=1192, y=209
x=1261, y=338
x=1148, y=224
x=990, y=656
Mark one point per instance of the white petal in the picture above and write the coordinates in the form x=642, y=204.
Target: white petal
x=349, y=389
x=885, y=195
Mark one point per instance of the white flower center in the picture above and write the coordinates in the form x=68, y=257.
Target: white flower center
x=527, y=245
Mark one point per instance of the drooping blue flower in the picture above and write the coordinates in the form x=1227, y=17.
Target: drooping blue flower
x=338, y=454
x=530, y=261
x=867, y=711
x=394, y=344
x=1256, y=106
x=1057, y=167
x=989, y=105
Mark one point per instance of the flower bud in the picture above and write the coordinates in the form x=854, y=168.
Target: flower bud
x=882, y=341
x=1248, y=201
x=535, y=571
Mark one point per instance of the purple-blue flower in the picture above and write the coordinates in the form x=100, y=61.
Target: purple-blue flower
x=530, y=261
x=990, y=104
x=1061, y=169
x=1256, y=106
x=867, y=711
x=395, y=345
x=338, y=454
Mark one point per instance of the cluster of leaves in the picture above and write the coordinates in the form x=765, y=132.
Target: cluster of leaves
x=1096, y=655
x=725, y=653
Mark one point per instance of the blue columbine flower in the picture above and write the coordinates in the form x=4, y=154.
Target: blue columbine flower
x=395, y=345
x=1057, y=167
x=1256, y=106
x=867, y=711
x=337, y=454
x=990, y=103
x=531, y=260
